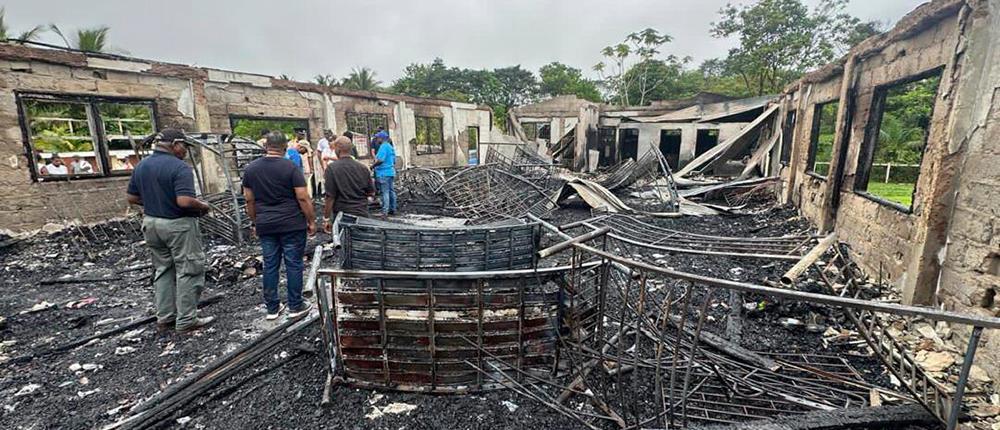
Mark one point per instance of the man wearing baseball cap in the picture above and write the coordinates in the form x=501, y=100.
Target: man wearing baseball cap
x=385, y=171
x=164, y=186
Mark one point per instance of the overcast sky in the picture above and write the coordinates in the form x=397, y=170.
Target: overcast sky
x=303, y=38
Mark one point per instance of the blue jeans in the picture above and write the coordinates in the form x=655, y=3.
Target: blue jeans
x=288, y=246
x=388, y=193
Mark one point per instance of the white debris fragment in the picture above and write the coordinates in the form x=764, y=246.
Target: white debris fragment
x=122, y=350
x=92, y=366
x=183, y=420
x=391, y=408
x=133, y=335
x=511, y=406
x=8, y=408
x=83, y=394
x=375, y=398
x=27, y=389
x=75, y=367
x=38, y=307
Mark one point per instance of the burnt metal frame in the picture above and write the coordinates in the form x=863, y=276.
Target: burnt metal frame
x=329, y=306
x=633, y=231
x=978, y=323
x=371, y=122
x=96, y=128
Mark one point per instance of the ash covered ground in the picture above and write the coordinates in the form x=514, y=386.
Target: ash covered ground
x=96, y=384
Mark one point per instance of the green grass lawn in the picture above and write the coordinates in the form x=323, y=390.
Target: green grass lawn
x=901, y=193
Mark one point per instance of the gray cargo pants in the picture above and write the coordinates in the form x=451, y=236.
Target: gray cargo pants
x=179, y=261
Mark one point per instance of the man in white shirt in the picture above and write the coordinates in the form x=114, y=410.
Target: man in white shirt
x=81, y=166
x=55, y=167
x=326, y=151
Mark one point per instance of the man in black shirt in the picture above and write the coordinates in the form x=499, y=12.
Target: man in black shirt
x=282, y=213
x=348, y=184
x=164, y=186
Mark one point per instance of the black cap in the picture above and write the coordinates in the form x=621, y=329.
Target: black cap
x=170, y=135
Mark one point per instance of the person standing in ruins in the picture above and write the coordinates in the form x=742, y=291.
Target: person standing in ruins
x=385, y=173
x=164, y=186
x=327, y=154
x=348, y=184
x=281, y=210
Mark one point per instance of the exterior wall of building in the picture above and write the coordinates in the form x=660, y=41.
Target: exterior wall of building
x=27, y=204
x=970, y=272
x=808, y=190
x=945, y=250
x=194, y=99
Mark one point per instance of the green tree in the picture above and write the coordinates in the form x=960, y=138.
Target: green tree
x=863, y=30
x=25, y=36
x=666, y=80
x=514, y=86
x=905, y=121
x=361, y=78
x=634, y=54
x=431, y=80
x=88, y=39
x=780, y=39
x=326, y=80
x=559, y=79
x=500, y=88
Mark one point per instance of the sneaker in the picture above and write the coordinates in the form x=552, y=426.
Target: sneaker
x=273, y=316
x=304, y=310
x=166, y=325
x=392, y=212
x=197, y=324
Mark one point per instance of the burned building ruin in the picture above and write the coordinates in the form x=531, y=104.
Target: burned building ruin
x=783, y=261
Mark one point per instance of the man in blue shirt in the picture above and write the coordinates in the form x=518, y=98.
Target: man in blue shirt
x=292, y=154
x=164, y=186
x=385, y=172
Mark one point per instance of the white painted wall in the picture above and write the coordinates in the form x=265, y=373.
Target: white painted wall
x=649, y=134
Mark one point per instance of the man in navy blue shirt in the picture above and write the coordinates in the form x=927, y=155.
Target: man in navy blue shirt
x=164, y=186
x=281, y=210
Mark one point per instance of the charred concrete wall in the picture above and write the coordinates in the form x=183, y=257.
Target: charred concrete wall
x=945, y=248
x=970, y=267
x=649, y=134
x=26, y=203
x=195, y=99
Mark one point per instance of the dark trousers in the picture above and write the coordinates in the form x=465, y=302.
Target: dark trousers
x=289, y=247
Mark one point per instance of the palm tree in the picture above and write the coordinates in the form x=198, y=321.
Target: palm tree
x=5, y=31
x=897, y=142
x=361, y=79
x=88, y=39
x=285, y=77
x=325, y=80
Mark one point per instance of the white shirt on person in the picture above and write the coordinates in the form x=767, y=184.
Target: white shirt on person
x=82, y=166
x=52, y=169
x=323, y=145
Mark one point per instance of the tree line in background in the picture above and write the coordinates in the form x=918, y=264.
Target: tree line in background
x=777, y=41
